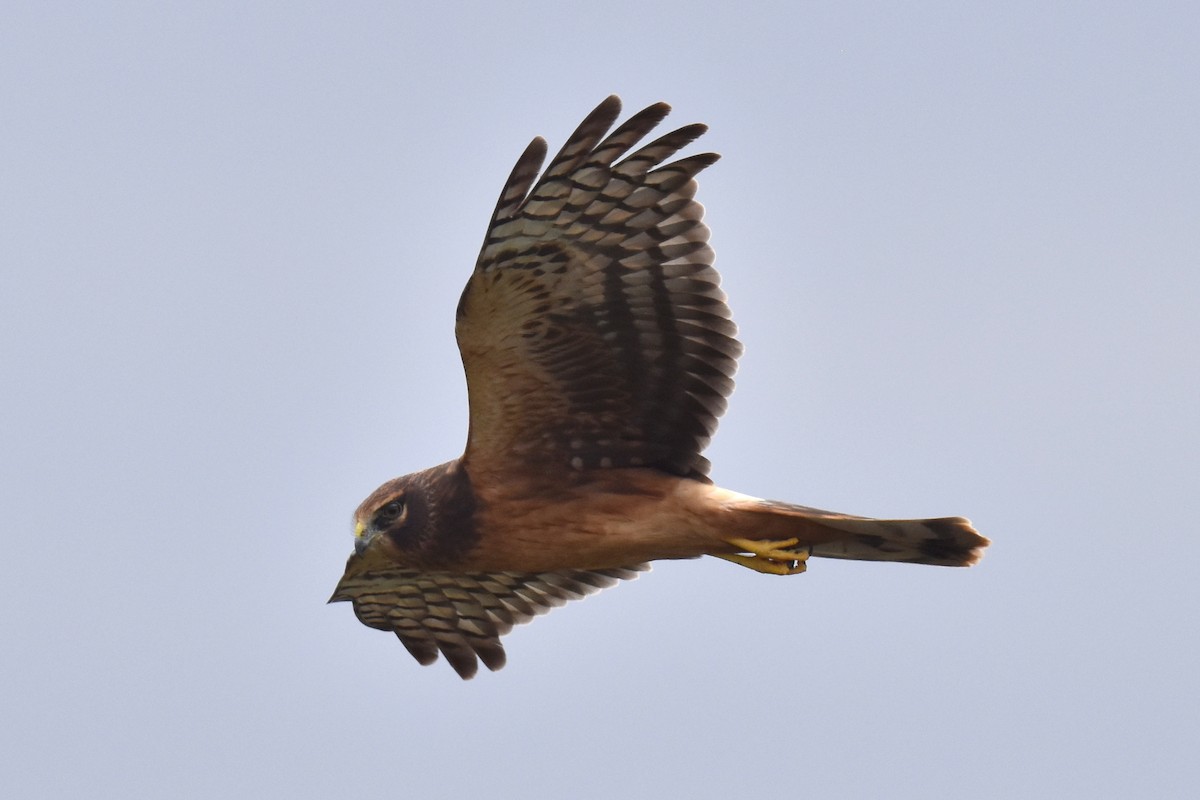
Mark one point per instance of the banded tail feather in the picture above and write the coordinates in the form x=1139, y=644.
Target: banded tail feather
x=943, y=541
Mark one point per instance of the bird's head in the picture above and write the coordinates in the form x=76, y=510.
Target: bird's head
x=418, y=520
x=390, y=518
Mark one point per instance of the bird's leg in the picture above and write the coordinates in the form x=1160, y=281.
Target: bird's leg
x=771, y=557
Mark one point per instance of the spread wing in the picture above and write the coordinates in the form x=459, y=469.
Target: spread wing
x=593, y=331
x=463, y=616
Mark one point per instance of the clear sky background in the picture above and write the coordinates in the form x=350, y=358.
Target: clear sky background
x=963, y=246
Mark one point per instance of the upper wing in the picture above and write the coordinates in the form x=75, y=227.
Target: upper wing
x=593, y=331
x=463, y=616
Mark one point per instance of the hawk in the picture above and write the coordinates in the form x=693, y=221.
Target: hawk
x=599, y=353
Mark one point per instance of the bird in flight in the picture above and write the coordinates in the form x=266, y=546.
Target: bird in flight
x=599, y=353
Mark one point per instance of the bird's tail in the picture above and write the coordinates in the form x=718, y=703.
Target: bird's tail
x=946, y=541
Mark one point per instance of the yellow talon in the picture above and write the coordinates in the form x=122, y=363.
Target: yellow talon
x=770, y=557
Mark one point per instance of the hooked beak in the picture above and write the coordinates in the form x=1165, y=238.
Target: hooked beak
x=361, y=538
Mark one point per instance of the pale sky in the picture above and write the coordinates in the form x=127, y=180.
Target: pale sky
x=962, y=245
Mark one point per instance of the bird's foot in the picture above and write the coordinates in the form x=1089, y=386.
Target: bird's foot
x=771, y=557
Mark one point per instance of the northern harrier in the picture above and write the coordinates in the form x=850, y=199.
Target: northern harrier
x=599, y=352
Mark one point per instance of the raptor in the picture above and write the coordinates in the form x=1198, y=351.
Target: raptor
x=599, y=352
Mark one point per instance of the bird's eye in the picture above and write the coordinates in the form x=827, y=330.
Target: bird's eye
x=389, y=514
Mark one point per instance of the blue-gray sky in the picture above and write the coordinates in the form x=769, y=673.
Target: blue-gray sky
x=961, y=242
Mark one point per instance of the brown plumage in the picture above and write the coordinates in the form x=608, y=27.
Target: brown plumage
x=599, y=353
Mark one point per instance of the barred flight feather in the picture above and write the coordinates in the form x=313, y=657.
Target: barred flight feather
x=463, y=616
